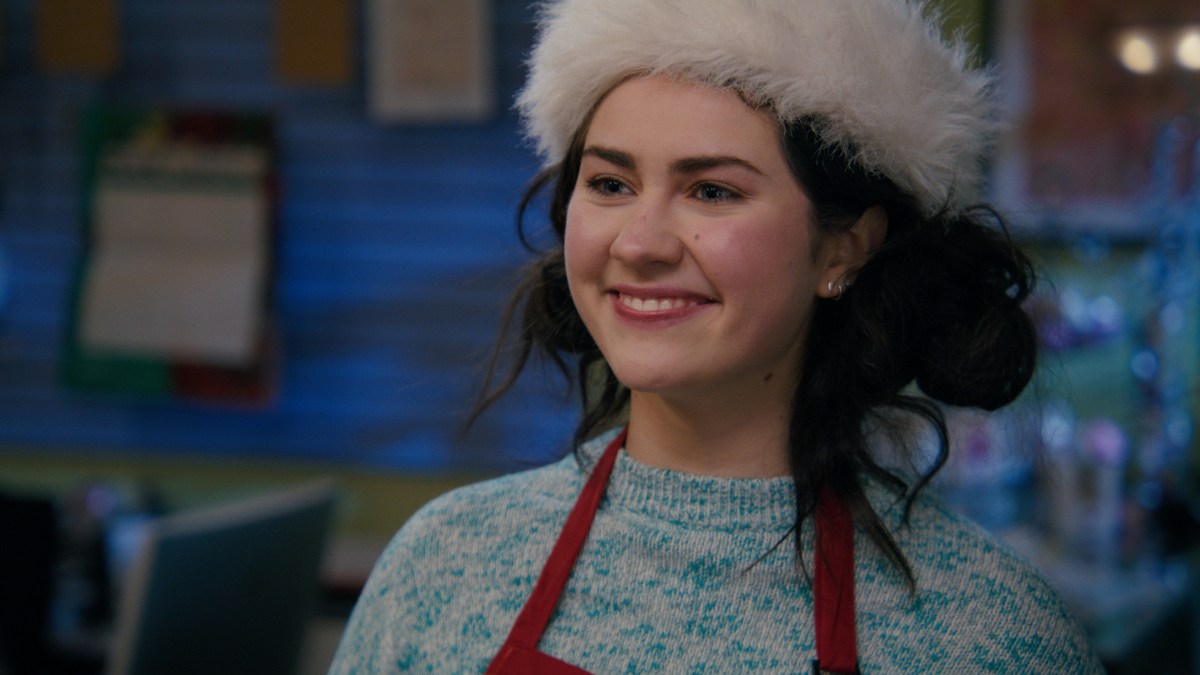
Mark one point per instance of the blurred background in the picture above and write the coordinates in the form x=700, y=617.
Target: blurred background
x=249, y=244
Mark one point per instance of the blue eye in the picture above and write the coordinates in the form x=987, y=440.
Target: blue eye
x=710, y=192
x=607, y=186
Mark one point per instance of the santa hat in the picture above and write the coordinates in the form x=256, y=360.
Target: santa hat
x=890, y=92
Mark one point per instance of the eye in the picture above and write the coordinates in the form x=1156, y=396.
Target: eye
x=606, y=186
x=714, y=193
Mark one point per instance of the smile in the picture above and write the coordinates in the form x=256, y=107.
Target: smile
x=657, y=304
x=658, y=308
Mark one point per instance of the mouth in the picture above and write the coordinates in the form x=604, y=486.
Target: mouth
x=663, y=304
x=657, y=304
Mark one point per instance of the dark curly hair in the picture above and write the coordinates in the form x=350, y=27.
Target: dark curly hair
x=939, y=304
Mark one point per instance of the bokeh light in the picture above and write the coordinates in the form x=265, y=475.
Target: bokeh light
x=1138, y=52
x=1187, y=49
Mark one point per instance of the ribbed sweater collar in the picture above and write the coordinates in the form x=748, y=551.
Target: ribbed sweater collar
x=703, y=502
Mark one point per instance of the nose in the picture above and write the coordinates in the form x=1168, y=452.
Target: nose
x=649, y=236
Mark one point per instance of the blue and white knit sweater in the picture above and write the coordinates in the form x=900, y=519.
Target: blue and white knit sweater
x=667, y=582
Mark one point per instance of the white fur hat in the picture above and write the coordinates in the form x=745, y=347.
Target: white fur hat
x=896, y=97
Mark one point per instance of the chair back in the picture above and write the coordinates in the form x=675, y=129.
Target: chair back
x=225, y=590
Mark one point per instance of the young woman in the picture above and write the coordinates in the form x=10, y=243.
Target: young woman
x=764, y=210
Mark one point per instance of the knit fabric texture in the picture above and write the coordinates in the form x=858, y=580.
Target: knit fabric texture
x=680, y=574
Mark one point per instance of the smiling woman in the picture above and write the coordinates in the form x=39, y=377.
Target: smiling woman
x=690, y=258
x=767, y=235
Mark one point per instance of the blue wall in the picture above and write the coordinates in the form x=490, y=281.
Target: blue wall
x=397, y=246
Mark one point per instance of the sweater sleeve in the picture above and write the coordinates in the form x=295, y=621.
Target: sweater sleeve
x=445, y=591
x=376, y=638
x=979, y=607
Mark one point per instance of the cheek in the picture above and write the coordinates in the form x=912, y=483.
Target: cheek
x=582, y=249
x=754, y=257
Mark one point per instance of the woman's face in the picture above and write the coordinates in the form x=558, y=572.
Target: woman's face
x=689, y=247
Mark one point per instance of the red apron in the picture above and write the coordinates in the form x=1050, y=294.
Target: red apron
x=833, y=585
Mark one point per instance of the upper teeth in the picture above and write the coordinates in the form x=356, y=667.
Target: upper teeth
x=655, y=304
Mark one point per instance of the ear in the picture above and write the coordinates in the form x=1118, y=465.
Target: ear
x=846, y=252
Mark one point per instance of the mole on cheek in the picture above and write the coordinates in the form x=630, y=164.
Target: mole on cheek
x=768, y=377
x=696, y=237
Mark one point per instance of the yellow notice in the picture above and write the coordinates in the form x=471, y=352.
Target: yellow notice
x=314, y=41
x=78, y=36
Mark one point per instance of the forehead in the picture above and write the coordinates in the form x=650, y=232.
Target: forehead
x=660, y=115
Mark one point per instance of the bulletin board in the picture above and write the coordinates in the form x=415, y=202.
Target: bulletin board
x=386, y=279
x=173, y=293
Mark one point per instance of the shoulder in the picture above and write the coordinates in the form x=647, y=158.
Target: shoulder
x=484, y=505
x=450, y=580
x=507, y=499
x=985, y=607
x=951, y=551
x=473, y=525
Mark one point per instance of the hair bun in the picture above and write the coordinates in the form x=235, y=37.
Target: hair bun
x=982, y=363
x=979, y=347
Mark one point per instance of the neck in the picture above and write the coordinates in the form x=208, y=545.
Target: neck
x=719, y=439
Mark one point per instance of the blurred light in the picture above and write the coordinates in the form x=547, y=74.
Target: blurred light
x=1138, y=52
x=1187, y=50
x=1179, y=428
x=1144, y=365
x=1173, y=318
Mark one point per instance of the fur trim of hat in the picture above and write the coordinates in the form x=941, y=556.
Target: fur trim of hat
x=891, y=93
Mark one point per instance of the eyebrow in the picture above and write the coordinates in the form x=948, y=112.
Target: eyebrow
x=690, y=165
x=684, y=166
x=622, y=159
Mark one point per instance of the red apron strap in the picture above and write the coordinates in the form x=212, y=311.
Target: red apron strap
x=532, y=621
x=833, y=588
x=514, y=660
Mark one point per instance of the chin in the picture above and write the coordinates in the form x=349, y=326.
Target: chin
x=653, y=381
x=638, y=378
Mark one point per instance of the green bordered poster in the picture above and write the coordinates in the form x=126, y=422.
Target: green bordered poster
x=174, y=282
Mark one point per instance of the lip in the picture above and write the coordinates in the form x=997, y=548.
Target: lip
x=658, y=306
